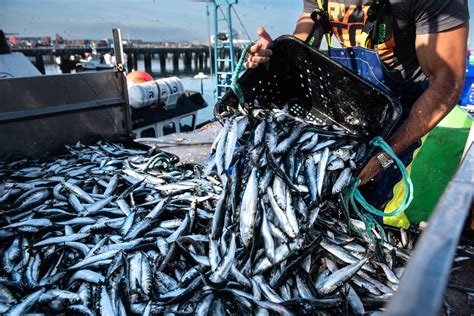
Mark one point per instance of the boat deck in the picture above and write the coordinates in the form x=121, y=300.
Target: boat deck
x=190, y=147
x=457, y=300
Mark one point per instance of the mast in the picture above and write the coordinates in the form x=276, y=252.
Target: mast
x=224, y=54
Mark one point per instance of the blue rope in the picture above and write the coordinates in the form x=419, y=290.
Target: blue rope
x=408, y=196
x=235, y=76
x=354, y=195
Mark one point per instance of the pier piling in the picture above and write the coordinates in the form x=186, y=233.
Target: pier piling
x=130, y=62
x=201, y=62
x=66, y=64
x=163, y=63
x=148, y=63
x=188, y=58
x=39, y=63
x=193, y=58
x=176, y=63
x=196, y=61
x=135, y=61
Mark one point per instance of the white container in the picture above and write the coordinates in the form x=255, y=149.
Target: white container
x=171, y=89
x=163, y=91
x=143, y=94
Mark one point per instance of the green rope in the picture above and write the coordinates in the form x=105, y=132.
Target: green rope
x=153, y=160
x=369, y=222
x=353, y=195
x=235, y=76
x=165, y=162
x=408, y=196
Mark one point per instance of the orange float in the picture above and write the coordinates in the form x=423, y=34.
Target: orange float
x=138, y=77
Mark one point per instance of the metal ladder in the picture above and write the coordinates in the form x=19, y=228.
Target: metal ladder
x=223, y=67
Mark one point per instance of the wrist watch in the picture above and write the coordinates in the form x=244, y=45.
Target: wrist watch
x=385, y=161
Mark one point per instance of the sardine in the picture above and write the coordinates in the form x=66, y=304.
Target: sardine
x=248, y=209
x=338, y=278
x=342, y=182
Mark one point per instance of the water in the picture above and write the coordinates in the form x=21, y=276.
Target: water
x=189, y=83
x=195, y=85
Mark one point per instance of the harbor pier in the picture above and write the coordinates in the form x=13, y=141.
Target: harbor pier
x=194, y=59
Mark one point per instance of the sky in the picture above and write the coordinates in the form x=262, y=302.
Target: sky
x=150, y=20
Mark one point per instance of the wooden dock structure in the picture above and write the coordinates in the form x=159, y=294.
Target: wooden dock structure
x=194, y=58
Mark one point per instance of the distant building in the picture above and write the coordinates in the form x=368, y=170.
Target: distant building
x=30, y=42
x=59, y=39
x=102, y=43
x=19, y=42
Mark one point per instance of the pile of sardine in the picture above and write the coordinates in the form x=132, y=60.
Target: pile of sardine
x=111, y=230
x=280, y=233
x=104, y=230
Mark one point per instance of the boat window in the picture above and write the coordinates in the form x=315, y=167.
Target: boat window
x=149, y=132
x=169, y=128
x=186, y=124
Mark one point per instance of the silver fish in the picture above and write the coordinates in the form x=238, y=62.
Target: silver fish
x=231, y=142
x=25, y=304
x=342, y=181
x=259, y=133
x=338, y=278
x=280, y=215
x=267, y=238
x=322, y=170
x=248, y=209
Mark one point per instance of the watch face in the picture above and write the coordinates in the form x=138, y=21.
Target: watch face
x=384, y=161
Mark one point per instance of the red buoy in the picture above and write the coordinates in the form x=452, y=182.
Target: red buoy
x=138, y=77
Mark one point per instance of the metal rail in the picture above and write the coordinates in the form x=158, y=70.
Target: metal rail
x=224, y=52
x=48, y=111
x=424, y=281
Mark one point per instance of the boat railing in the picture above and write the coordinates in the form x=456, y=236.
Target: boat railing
x=424, y=281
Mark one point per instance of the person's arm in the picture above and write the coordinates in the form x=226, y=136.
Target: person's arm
x=442, y=57
x=304, y=26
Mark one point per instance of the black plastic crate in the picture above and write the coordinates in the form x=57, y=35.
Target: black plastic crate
x=316, y=89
